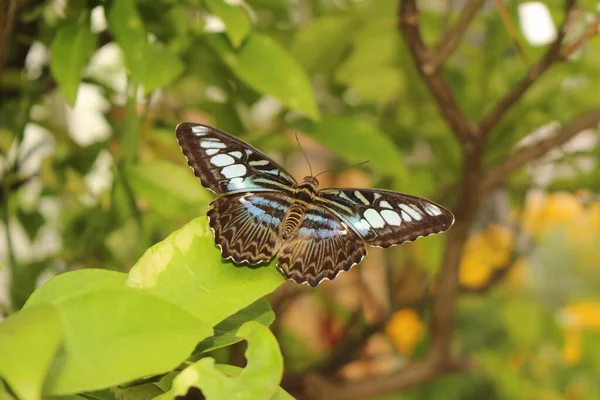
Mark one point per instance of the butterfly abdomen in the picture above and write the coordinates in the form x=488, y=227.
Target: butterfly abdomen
x=304, y=194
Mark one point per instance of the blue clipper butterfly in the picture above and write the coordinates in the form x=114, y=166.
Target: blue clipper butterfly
x=315, y=234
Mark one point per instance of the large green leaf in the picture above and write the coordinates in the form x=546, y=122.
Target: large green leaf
x=74, y=283
x=235, y=18
x=71, y=48
x=28, y=341
x=259, y=380
x=225, y=331
x=113, y=333
x=354, y=141
x=267, y=67
x=116, y=335
x=186, y=269
x=171, y=189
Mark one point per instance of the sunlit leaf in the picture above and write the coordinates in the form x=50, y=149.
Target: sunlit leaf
x=259, y=380
x=225, y=331
x=28, y=341
x=186, y=269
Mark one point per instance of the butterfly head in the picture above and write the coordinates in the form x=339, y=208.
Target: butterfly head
x=310, y=181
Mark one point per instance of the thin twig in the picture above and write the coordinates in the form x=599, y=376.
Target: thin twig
x=512, y=32
x=590, y=31
x=490, y=121
x=435, y=81
x=453, y=37
x=521, y=157
x=8, y=11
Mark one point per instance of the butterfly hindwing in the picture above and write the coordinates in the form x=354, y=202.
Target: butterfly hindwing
x=323, y=247
x=225, y=164
x=384, y=218
x=246, y=225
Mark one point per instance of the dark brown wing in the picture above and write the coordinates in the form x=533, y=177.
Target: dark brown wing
x=323, y=247
x=245, y=226
x=384, y=218
x=225, y=164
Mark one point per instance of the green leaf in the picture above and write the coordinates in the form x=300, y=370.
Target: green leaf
x=75, y=283
x=137, y=392
x=31, y=221
x=259, y=380
x=234, y=17
x=186, y=268
x=171, y=189
x=354, y=141
x=126, y=26
x=225, y=331
x=267, y=67
x=119, y=334
x=152, y=65
x=320, y=45
x=158, y=67
x=28, y=341
x=71, y=48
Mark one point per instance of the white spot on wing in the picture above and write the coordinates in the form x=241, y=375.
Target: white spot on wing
x=210, y=152
x=200, y=130
x=236, y=154
x=384, y=204
x=391, y=217
x=236, y=183
x=233, y=171
x=362, y=198
x=221, y=160
x=374, y=218
x=258, y=163
x=432, y=209
x=411, y=211
x=211, y=145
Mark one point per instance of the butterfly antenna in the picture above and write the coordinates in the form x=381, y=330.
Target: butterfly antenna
x=305, y=156
x=344, y=167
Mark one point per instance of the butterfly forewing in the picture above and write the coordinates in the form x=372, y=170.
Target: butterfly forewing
x=225, y=164
x=323, y=247
x=384, y=218
x=246, y=226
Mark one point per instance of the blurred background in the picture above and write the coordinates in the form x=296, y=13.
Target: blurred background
x=491, y=108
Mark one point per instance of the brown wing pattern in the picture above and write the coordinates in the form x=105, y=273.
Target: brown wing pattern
x=385, y=218
x=323, y=247
x=225, y=164
x=245, y=226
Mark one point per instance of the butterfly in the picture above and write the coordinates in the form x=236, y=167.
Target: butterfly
x=263, y=212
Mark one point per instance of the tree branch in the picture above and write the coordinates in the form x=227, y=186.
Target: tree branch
x=8, y=11
x=454, y=35
x=489, y=122
x=591, y=30
x=437, y=85
x=521, y=157
x=412, y=375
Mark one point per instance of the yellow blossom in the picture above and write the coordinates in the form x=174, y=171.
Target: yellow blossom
x=405, y=330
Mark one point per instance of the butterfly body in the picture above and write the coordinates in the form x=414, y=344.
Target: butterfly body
x=263, y=212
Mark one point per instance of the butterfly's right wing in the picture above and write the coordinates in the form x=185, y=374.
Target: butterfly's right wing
x=323, y=247
x=225, y=164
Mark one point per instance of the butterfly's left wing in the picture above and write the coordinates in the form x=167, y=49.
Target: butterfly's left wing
x=384, y=218
x=323, y=247
x=225, y=164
